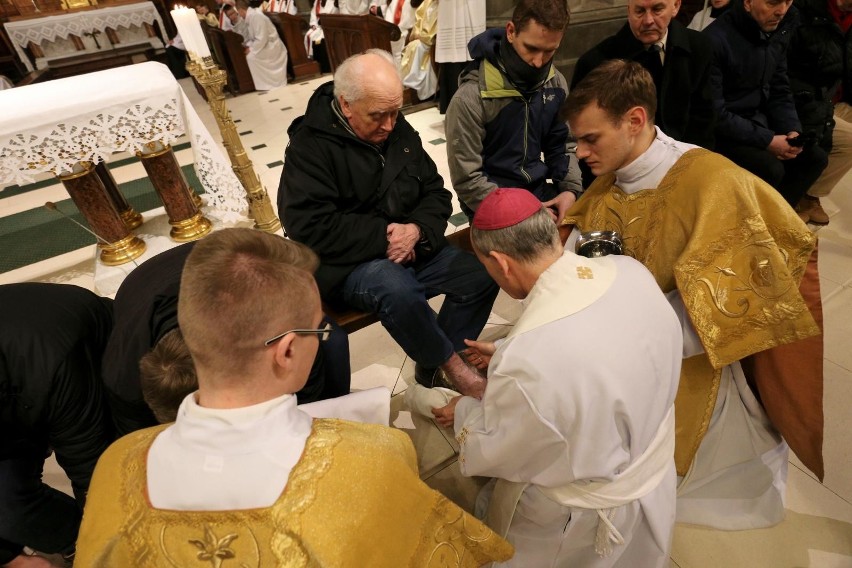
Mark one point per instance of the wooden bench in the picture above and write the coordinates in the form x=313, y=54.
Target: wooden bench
x=353, y=320
x=228, y=51
x=292, y=29
x=348, y=35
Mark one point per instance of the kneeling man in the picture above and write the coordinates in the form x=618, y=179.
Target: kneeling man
x=577, y=419
x=243, y=473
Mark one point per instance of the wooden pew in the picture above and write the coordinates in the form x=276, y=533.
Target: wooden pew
x=348, y=35
x=291, y=29
x=228, y=51
x=353, y=320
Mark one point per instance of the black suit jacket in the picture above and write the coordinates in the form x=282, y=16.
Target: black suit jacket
x=684, y=103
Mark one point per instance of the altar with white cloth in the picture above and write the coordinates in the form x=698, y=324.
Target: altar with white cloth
x=142, y=107
x=88, y=31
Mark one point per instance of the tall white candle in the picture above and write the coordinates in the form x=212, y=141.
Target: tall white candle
x=190, y=32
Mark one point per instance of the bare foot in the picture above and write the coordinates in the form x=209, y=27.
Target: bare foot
x=465, y=379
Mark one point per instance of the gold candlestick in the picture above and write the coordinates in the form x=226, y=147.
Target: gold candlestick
x=212, y=80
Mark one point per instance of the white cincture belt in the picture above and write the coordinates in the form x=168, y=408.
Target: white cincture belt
x=640, y=478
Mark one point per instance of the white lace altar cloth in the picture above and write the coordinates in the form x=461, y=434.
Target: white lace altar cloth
x=58, y=123
x=49, y=28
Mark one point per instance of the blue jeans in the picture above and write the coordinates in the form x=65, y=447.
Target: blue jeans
x=398, y=294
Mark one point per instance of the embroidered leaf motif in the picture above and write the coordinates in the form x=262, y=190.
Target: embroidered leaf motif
x=213, y=549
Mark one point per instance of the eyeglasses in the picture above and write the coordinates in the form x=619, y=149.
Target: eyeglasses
x=321, y=332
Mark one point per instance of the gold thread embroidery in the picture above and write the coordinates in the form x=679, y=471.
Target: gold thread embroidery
x=585, y=273
x=213, y=549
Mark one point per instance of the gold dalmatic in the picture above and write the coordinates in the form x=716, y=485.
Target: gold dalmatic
x=353, y=499
x=734, y=249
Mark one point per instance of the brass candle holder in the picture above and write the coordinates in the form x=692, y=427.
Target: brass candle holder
x=213, y=80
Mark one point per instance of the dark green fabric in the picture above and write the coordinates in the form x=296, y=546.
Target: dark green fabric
x=38, y=234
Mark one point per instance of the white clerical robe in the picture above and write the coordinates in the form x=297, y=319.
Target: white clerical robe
x=229, y=459
x=315, y=33
x=738, y=477
x=459, y=21
x=267, y=56
x=282, y=7
x=580, y=392
x=353, y=7
x=405, y=23
x=416, y=64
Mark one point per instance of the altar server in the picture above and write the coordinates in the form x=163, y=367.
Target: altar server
x=265, y=52
x=577, y=419
x=736, y=262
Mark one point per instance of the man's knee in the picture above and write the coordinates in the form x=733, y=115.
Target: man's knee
x=383, y=282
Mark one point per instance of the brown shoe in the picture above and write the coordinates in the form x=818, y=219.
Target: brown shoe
x=816, y=213
x=802, y=208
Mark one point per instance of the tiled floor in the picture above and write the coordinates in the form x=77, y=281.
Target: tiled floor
x=817, y=531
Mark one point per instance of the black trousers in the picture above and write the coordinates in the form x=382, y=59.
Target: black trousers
x=31, y=513
x=448, y=83
x=792, y=178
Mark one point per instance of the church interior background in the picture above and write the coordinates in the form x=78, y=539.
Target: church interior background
x=39, y=245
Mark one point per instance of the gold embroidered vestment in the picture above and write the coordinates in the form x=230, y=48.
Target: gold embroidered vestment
x=353, y=499
x=736, y=252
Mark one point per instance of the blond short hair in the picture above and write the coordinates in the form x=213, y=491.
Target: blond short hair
x=240, y=287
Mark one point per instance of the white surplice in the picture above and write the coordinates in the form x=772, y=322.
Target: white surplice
x=579, y=393
x=738, y=477
x=267, y=56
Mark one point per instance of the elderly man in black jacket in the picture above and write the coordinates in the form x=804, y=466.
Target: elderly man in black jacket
x=360, y=190
x=758, y=127
x=820, y=67
x=678, y=59
x=51, y=340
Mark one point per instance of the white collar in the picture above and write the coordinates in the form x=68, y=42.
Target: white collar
x=236, y=430
x=648, y=170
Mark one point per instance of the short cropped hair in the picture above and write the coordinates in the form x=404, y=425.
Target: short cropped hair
x=552, y=14
x=244, y=4
x=350, y=81
x=524, y=242
x=167, y=376
x=240, y=287
x=616, y=86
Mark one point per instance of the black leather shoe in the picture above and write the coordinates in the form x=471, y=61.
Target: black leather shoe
x=430, y=377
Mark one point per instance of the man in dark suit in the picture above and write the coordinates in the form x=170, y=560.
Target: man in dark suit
x=678, y=59
x=758, y=127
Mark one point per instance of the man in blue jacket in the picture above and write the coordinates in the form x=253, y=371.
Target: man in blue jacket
x=505, y=114
x=360, y=190
x=757, y=126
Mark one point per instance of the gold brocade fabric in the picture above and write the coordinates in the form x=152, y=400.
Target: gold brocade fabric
x=353, y=499
x=734, y=249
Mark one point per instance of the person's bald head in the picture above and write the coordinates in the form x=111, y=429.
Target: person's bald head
x=369, y=91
